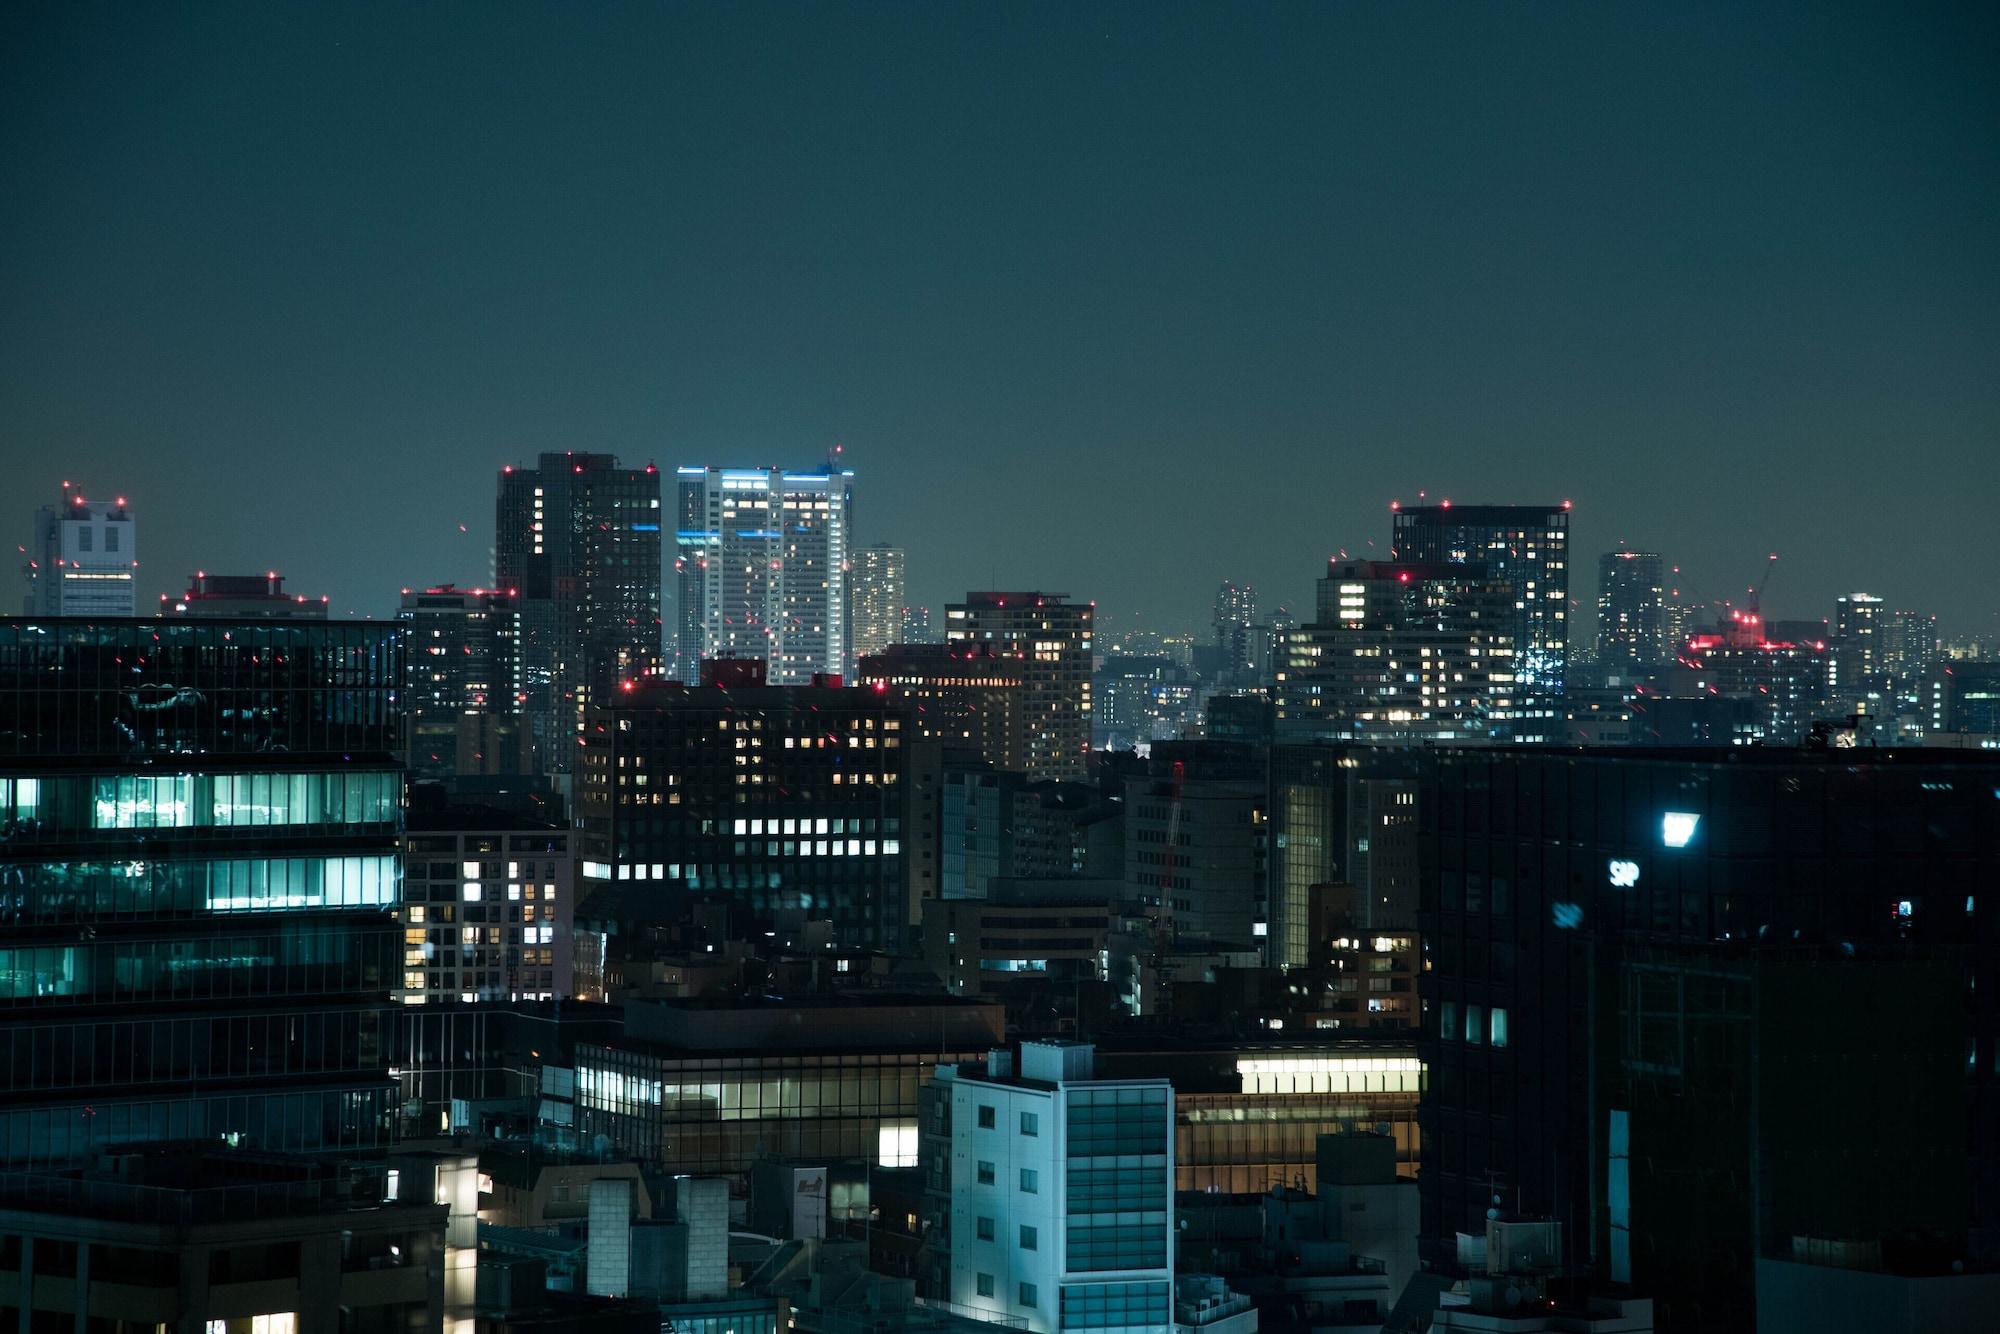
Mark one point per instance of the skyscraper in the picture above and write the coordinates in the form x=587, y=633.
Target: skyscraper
x=578, y=541
x=875, y=586
x=761, y=563
x=200, y=865
x=1527, y=548
x=1631, y=610
x=1233, y=616
x=1402, y=651
x=1054, y=635
x=82, y=561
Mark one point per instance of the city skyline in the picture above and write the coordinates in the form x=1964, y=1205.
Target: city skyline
x=1725, y=279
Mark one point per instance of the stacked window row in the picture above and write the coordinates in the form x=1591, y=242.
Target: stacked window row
x=72, y=891
x=303, y=959
x=67, y=808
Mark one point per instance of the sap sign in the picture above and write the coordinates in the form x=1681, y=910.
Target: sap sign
x=1677, y=827
x=1623, y=875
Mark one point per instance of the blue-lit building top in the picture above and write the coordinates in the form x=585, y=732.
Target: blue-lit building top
x=198, y=869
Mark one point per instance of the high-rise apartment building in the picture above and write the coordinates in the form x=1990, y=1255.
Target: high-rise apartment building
x=792, y=804
x=577, y=540
x=1054, y=636
x=467, y=693
x=200, y=875
x=1909, y=647
x=917, y=628
x=83, y=556
x=761, y=562
x=1234, y=618
x=242, y=597
x=1402, y=651
x=1525, y=547
x=876, y=599
x=1859, y=638
x=1062, y=1192
x=1631, y=611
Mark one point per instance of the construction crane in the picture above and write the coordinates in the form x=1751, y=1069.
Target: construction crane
x=1757, y=593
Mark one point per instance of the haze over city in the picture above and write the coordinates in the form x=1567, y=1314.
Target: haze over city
x=1172, y=293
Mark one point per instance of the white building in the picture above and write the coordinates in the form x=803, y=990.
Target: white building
x=761, y=563
x=1062, y=1203
x=876, y=586
x=83, y=558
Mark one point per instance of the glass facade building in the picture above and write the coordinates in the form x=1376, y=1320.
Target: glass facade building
x=1543, y=869
x=198, y=870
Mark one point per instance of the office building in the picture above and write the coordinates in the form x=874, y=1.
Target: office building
x=1786, y=681
x=190, y=1237
x=1543, y=869
x=1401, y=651
x=1195, y=844
x=968, y=698
x=1030, y=946
x=1138, y=700
x=82, y=558
x=1341, y=818
x=715, y=1087
x=1961, y=697
x=1062, y=1192
x=243, y=597
x=789, y=803
x=1002, y=825
x=1631, y=611
x=761, y=563
x=201, y=868
x=489, y=897
x=1526, y=547
x=577, y=542
x=1054, y=636
x=876, y=599
x=467, y=693
x=1234, y=620
x=1721, y=1154
x=917, y=627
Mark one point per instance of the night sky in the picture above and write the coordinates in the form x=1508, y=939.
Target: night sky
x=1116, y=300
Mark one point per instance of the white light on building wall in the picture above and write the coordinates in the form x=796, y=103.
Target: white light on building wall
x=1623, y=874
x=1677, y=828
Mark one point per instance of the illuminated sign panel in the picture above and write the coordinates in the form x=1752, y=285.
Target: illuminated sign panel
x=1677, y=828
